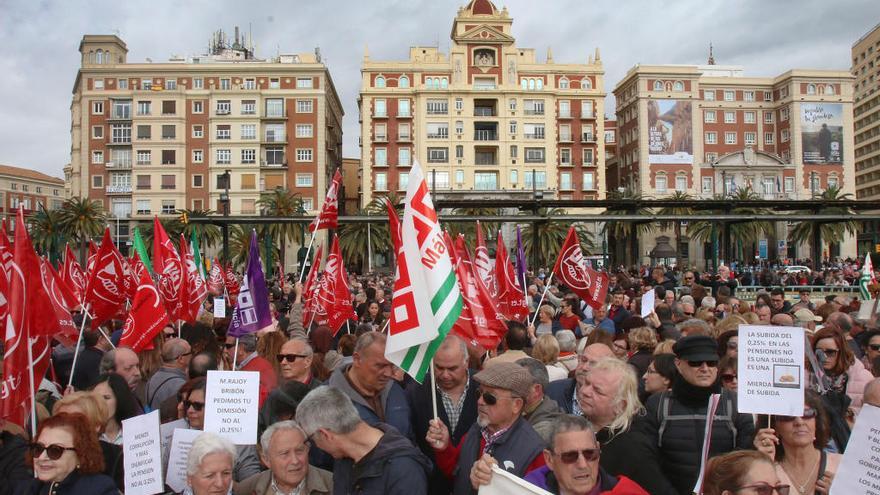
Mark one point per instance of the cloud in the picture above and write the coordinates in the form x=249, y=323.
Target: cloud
x=41, y=39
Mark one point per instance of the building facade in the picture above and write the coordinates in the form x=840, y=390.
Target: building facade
x=203, y=133
x=29, y=189
x=486, y=120
x=866, y=112
x=709, y=131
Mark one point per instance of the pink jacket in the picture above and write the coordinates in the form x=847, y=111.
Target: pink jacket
x=859, y=376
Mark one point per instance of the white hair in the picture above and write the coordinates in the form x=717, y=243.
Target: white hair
x=204, y=445
x=289, y=424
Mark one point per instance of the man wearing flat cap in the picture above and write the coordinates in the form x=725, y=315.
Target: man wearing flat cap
x=501, y=436
x=676, y=420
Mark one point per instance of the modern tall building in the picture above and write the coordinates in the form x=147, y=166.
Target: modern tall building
x=202, y=132
x=486, y=120
x=866, y=112
x=29, y=189
x=709, y=130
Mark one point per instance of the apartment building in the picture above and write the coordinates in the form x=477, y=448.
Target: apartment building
x=866, y=113
x=28, y=189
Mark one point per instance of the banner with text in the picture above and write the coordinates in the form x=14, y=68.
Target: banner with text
x=232, y=405
x=822, y=132
x=670, y=132
x=181, y=442
x=859, y=470
x=143, y=456
x=771, y=370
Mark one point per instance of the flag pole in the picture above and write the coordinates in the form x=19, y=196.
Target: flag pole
x=101, y=329
x=546, y=288
x=33, y=388
x=306, y=257
x=235, y=354
x=385, y=327
x=433, y=389
x=76, y=347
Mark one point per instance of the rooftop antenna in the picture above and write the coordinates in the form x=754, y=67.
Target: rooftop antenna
x=711, y=60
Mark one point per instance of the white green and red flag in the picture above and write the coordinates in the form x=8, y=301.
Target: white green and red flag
x=867, y=278
x=427, y=301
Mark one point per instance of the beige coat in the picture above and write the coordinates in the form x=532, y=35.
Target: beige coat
x=318, y=482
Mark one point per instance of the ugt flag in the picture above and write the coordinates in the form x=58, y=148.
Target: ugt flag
x=251, y=312
x=329, y=216
x=427, y=300
x=589, y=285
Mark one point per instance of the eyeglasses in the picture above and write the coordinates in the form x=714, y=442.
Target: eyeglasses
x=829, y=352
x=688, y=314
x=698, y=364
x=291, y=358
x=185, y=354
x=198, y=406
x=228, y=345
x=732, y=345
x=572, y=456
x=491, y=399
x=874, y=347
x=809, y=413
x=728, y=377
x=765, y=489
x=54, y=451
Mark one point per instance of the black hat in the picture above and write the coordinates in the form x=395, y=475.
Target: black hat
x=696, y=348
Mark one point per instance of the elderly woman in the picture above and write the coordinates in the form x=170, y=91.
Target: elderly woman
x=209, y=465
x=796, y=443
x=67, y=459
x=742, y=472
x=546, y=350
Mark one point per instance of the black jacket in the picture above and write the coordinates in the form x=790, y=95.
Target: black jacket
x=630, y=454
x=74, y=484
x=13, y=469
x=393, y=467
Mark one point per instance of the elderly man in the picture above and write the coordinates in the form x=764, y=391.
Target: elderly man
x=601, y=320
x=284, y=449
x=675, y=420
x=246, y=359
x=693, y=326
x=567, y=350
x=500, y=436
x=573, y=464
x=849, y=329
x=698, y=292
x=722, y=278
x=367, y=381
x=124, y=362
x=540, y=411
x=805, y=318
x=369, y=459
x=564, y=392
x=176, y=355
x=295, y=361
x=764, y=313
x=782, y=320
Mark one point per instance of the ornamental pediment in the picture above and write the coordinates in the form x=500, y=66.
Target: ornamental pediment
x=484, y=34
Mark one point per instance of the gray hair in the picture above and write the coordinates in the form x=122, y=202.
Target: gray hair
x=695, y=322
x=708, y=302
x=173, y=349
x=627, y=400
x=289, y=424
x=204, y=445
x=108, y=362
x=451, y=341
x=537, y=369
x=565, y=423
x=328, y=408
x=678, y=309
x=248, y=342
x=687, y=299
x=307, y=350
x=368, y=339
x=567, y=341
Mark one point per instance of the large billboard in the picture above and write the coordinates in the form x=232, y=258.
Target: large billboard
x=822, y=132
x=670, y=135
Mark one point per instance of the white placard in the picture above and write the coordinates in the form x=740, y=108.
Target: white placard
x=219, y=307
x=232, y=405
x=175, y=475
x=142, y=454
x=771, y=370
x=647, y=303
x=504, y=483
x=859, y=470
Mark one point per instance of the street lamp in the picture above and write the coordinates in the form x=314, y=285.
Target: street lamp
x=224, y=200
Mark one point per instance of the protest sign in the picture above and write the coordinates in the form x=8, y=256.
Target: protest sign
x=219, y=307
x=859, y=470
x=504, y=483
x=647, y=304
x=175, y=475
x=142, y=454
x=771, y=370
x=232, y=405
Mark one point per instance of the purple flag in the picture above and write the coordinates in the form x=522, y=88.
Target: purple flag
x=251, y=312
x=521, y=267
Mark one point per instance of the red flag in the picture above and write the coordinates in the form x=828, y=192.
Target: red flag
x=72, y=274
x=328, y=218
x=232, y=284
x=215, y=279
x=169, y=268
x=589, y=285
x=65, y=331
x=510, y=297
x=340, y=308
x=484, y=268
x=480, y=320
x=90, y=262
x=6, y=251
x=309, y=290
x=147, y=316
x=105, y=290
x=197, y=290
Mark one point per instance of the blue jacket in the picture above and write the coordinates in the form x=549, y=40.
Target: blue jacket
x=74, y=484
x=562, y=391
x=394, y=467
x=397, y=413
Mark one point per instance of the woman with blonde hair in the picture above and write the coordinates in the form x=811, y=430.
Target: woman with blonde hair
x=96, y=411
x=642, y=340
x=546, y=350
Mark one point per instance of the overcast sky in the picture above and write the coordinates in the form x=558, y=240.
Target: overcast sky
x=40, y=41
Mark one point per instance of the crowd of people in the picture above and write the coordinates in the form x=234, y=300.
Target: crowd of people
x=575, y=400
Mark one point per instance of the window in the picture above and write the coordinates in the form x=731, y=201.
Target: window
x=169, y=107
x=681, y=183
x=438, y=155
x=120, y=133
x=514, y=177
x=274, y=107
x=533, y=131
x=533, y=107
x=513, y=151
x=564, y=132
x=97, y=181
x=198, y=83
x=768, y=117
x=538, y=180
x=511, y=104
x=304, y=106
x=709, y=116
x=563, y=83
x=832, y=182
x=564, y=109
x=811, y=89
x=304, y=130
x=274, y=133
x=249, y=107
x=275, y=156
x=678, y=86
x=459, y=152
x=438, y=107
x=223, y=156
x=658, y=85
x=198, y=180
x=709, y=94
x=122, y=109
x=97, y=132
x=224, y=107
x=303, y=154
x=381, y=157
x=587, y=109
x=534, y=155
x=438, y=130
x=274, y=83
x=198, y=156
x=144, y=157
x=146, y=83
x=711, y=138
x=97, y=157
x=248, y=156
x=768, y=138
x=248, y=131
x=785, y=136
x=382, y=181
x=99, y=83
x=749, y=117
x=789, y=184
x=459, y=104
x=169, y=157
x=589, y=182
x=768, y=95
x=250, y=83
x=249, y=182
x=170, y=84
x=122, y=84
x=729, y=138
x=145, y=107
x=198, y=131
x=143, y=207
x=730, y=117
x=304, y=180
x=485, y=181
x=707, y=185
x=143, y=182
x=459, y=177
x=225, y=83
x=586, y=83
x=169, y=132
x=198, y=107
x=403, y=132
x=829, y=90
x=169, y=182
x=587, y=157
x=729, y=95
x=403, y=157
x=750, y=138
x=660, y=183
x=403, y=108
x=565, y=181
x=512, y=127
x=783, y=114
x=459, y=127
x=565, y=156
x=379, y=109
x=403, y=82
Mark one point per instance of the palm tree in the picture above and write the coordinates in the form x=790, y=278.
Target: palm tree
x=679, y=211
x=240, y=243
x=47, y=232
x=550, y=235
x=804, y=232
x=82, y=219
x=172, y=225
x=283, y=203
x=744, y=232
x=621, y=230
x=208, y=234
x=353, y=237
x=469, y=229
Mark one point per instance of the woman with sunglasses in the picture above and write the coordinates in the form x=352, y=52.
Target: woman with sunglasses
x=67, y=459
x=845, y=374
x=796, y=444
x=743, y=472
x=727, y=373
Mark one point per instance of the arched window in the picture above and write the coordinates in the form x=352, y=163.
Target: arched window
x=99, y=57
x=92, y=57
x=586, y=83
x=429, y=83
x=444, y=83
x=531, y=84
x=668, y=86
x=403, y=82
x=811, y=89
x=563, y=83
x=829, y=89
x=524, y=83
x=658, y=85
x=539, y=83
x=678, y=86
x=380, y=82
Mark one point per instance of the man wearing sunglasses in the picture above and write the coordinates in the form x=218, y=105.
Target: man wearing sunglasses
x=872, y=351
x=176, y=355
x=295, y=361
x=501, y=436
x=572, y=459
x=675, y=420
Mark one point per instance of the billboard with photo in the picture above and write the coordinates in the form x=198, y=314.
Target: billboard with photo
x=670, y=132
x=822, y=132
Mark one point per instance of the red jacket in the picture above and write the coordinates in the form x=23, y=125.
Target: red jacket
x=268, y=379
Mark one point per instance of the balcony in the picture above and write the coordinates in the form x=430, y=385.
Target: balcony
x=274, y=116
x=485, y=135
x=404, y=115
x=404, y=138
x=565, y=163
x=120, y=141
x=565, y=114
x=534, y=135
x=123, y=189
x=380, y=115
x=381, y=138
x=273, y=165
x=588, y=116
x=533, y=111
x=223, y=111
x=588, y=137
x=275, y=139
x=119, y=117
x=117, y=165
x=565, y=138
